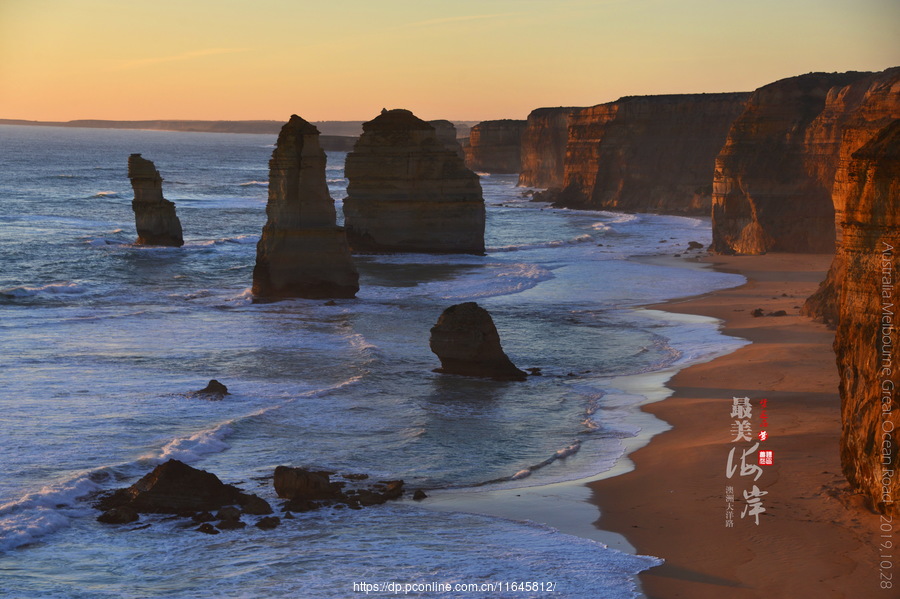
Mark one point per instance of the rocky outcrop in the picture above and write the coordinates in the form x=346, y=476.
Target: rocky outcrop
x=154, y=216
x=854, y=114
x=774, y=175
x=308, y=490
x=408, y=193
x=176, y=488
x=544, y=142
x=302, y=252
x=214, y=391
x=446, y=134
x=647, y=153
x=467, y=343
x=496, y=146
x=867, y=336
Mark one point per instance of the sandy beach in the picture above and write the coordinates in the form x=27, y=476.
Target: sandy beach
x=815, y=538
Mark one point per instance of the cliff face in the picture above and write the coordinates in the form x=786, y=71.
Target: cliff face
x=408, y=193
x=867, y=337
x=544, y=147
x=495, y=146
x=154, y=216
x=302, y=253
x=446, y=134
x=647, y=153
x=854, y=114
x=773, y=177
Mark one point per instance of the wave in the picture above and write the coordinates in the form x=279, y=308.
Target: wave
x=560, y=454
x=44, y=512
x=542, y=245
x=50, y=290
x=106, y=194
x=254, y=183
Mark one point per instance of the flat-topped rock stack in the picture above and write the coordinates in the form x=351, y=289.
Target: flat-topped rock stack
x=154, y=216
x=408, y=192
x=302, y=252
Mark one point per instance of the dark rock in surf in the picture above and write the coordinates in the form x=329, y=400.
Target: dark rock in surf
x=213, y=391
x=467, y=343
x=154, y=216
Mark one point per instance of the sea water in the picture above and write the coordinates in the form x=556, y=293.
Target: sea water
x=101, y=340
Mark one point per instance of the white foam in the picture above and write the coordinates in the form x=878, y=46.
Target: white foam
x=255, y=183
x=542, y=245
x=50, y=289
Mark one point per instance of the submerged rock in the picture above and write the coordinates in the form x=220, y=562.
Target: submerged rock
x=154, y=216
x=302, y=252
x=308, y=490
x=467, y=343
x=214, y=390
x=408, y=193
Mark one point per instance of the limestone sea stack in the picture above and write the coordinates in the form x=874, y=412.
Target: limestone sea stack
x=408, y=193
x=496, y=146
x=867, y=334
x=302, y=252
x=446, y=134
x=544, y=147
x=154, y=216
x=647, y=153
x=467, y=343
x=774, y=175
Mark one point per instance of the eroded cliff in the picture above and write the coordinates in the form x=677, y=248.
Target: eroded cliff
x=543, y=154
x=647, y=153
x=774, y=175
x=867, y=337
x=408, y=193
x=302, y=252
x=855, y=114
x=495, y=146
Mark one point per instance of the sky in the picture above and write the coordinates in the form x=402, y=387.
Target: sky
x=460, y=60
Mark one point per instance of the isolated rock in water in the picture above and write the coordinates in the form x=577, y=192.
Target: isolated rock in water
x=466, y=341
x=173, y=488
x=154, y=216
x=214, y=390
x=408, y=193
x=446, y=134
x=302, y=252
x=299, y=483
x=867, y=332
x=496, y=146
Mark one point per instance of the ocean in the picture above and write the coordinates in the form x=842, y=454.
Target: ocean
x=102, y=340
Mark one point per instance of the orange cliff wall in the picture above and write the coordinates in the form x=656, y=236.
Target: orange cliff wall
x=866, y=340
x=860, y=111
x=647, y=153
x=773, y=178
x=544, y=147
x=495, y=146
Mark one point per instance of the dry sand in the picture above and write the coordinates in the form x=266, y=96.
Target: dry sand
x=815, y=538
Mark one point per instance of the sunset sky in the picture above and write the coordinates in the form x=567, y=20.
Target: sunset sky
x=460, y=59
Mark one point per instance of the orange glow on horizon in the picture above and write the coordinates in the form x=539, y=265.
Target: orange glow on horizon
x=220, y=60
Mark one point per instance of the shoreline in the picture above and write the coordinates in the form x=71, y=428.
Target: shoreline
x=815, y=537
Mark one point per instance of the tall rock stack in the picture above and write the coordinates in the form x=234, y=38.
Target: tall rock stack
x=773, y=177
x=446, y=134
x=866, y=343
x=154, y=216
x=496, y=146
x=408, y=193
x=302, y=252
x=647, y=153
x=544, y=147
x=854, y=114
